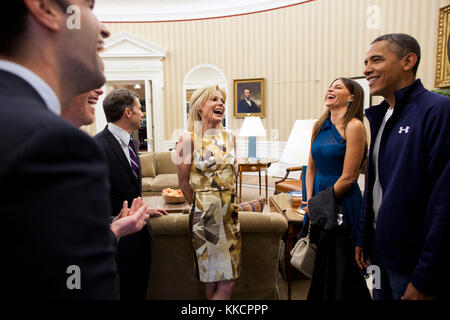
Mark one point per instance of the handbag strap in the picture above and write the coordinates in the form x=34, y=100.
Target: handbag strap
x=309, y=228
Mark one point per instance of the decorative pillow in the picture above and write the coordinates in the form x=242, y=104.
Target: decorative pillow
x=164, y=163
x=147, y=164
x=255, y=205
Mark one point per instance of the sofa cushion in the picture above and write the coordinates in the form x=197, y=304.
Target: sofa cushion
x=255, y=205
x=147, y=164
x=162, y=181
x=262, y=223
x=164, y=163
x=172, y=275
x=147, y=183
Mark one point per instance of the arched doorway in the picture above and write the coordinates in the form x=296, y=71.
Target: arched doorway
x=201, y=76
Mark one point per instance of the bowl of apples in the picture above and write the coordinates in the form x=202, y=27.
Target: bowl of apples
x=173, y=195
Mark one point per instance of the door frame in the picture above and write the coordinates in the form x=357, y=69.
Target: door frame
x=129, y=58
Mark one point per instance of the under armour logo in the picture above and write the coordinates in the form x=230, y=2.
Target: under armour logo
x=403, y=130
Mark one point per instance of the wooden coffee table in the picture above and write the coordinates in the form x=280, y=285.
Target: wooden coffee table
x=159, y=203
x=280, y=203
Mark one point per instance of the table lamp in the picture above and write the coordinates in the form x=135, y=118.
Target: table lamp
x=252, y=128
x=298, y=146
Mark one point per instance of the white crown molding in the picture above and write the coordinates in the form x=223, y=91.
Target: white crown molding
x=179, y=10
x=125, y=44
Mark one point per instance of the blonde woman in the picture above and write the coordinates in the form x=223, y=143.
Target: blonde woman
x=207, y=179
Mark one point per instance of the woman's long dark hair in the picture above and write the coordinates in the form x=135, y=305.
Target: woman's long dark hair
x=355, y=110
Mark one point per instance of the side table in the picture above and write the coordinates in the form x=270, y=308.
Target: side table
x=260, y=165
x=281, y=204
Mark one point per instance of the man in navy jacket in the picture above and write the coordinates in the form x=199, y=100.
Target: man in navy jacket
x=406, y=199
x=56, y=241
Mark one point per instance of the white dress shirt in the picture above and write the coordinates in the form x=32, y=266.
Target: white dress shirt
x=122, y=137
x=42, y=88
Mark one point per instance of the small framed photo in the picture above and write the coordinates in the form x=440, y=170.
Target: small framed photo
x=365, y=85
x=443, y=49
x=249, y=97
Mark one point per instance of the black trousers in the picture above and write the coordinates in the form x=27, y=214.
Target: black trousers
x=134, y=263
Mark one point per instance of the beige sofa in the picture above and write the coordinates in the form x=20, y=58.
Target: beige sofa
x=158, y=172
x=172, y=275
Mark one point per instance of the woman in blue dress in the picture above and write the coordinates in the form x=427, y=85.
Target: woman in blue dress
x=339, y=149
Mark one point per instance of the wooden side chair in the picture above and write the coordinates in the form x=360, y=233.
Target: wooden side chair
x=286, y=185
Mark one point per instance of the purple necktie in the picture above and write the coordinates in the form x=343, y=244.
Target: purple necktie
x=133, y=158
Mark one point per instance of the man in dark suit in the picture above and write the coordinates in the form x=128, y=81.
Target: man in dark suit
x=247, y=105
x=123, y=113
x=55, y=202
x=81, y=112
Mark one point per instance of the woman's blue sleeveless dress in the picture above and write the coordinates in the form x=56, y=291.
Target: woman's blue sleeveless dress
x=328, y=152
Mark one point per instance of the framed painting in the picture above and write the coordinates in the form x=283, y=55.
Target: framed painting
x=365, y=85
x=249, y=97
x=443, y=49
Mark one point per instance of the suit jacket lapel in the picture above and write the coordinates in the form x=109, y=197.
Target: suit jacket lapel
x=115, y=145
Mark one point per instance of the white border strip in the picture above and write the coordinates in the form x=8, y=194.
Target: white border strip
x=148, y=11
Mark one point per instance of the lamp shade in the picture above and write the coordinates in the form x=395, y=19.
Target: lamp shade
x=252, y=127
x=299, y=143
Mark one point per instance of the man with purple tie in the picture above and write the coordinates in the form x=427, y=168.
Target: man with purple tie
x=123, y=114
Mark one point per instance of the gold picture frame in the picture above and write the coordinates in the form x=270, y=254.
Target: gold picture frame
x=443, y=49
x=254, y=104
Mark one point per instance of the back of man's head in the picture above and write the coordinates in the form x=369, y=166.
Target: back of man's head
x=117, y=101
x=13, y=17
x=402, y=44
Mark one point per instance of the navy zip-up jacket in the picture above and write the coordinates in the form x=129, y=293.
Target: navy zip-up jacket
x=412, y=232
